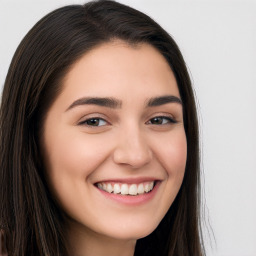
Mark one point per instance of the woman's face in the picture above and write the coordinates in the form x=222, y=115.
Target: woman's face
x=114, y=141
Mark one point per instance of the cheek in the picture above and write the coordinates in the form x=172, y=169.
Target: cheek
x=173, y=157
x=172, y=153
x=77, y=154
x=71, y=159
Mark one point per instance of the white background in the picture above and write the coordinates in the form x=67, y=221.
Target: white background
x=218, y=41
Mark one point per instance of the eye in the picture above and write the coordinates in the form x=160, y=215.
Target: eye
x=160, y=120
x=94, y=122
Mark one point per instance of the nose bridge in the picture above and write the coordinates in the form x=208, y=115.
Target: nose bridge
x=132, y=147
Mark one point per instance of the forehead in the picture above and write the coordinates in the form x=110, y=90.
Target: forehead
x=116, y=68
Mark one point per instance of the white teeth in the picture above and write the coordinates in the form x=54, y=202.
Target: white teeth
x=126, y=189
x=117, y=189
x=146, y=188
x=149, y=186
x=100, y=186
x=133, y=190
x=140, y=189
x=109, y=188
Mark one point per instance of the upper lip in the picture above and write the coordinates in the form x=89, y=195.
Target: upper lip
x=129, y=180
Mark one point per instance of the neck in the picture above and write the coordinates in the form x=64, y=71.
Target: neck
x=84, y=241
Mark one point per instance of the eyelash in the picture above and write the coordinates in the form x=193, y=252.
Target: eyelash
x=98, y=120
x=169, y=120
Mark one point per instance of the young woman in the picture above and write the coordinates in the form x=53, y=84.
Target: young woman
x=99, y=139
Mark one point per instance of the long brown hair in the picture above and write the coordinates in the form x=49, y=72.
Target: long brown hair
x=32, y=221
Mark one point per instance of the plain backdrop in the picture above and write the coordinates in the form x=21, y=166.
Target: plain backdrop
x=218, y=41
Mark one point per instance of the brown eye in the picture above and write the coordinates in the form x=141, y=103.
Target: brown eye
x=94, y=122
x=160, y=120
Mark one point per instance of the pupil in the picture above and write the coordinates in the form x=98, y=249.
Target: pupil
x=93, y=122
x=157, y=120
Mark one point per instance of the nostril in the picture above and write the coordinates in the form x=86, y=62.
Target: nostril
x=132, y=148
x=134, y=158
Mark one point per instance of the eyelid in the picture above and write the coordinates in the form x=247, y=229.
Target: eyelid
x=89, y=117
x=171, y=119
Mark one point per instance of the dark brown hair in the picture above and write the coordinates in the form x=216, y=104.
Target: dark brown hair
x=32, y=221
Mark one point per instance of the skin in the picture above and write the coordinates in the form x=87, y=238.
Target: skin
x=125, y=142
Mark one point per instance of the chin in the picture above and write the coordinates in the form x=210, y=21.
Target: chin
x=131, y=231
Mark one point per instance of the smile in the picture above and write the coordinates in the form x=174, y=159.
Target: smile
x=126, y=189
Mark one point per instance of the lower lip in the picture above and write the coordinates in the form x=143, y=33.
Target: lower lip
x=131, y=200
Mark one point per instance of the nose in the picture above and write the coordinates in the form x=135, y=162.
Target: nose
x=132, y=149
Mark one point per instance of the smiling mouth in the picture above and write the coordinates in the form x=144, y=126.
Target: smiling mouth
x=126, y=189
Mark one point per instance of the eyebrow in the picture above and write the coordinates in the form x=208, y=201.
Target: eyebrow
x=104, y=102
x=158, y=101
x=115, y=103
